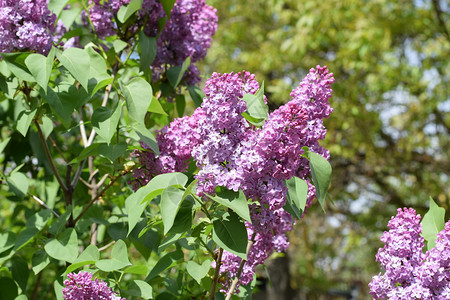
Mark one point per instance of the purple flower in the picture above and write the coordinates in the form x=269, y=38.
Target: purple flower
x=81, y=287
x=103, y=15
x=410, y=274
x=175, y=144
x=188, y=33
x=232, y=153
x=26, y=25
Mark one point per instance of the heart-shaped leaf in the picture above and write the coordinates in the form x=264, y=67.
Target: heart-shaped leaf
x=65, y=248
x=198, y=272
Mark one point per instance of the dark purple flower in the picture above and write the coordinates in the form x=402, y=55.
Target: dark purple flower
x=26, y=25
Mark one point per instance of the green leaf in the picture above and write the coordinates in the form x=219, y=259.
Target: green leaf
x=234, y=200
x=196, y=94
x=147, y=47
x=56, y=6
x=119, y=258
x=169, y=240
x=256, y=107
x=20, y=271
x=39, y=261
x=77, y=62
x=39, y=219
x=7, y=240
x=65, y=248
x=4, y=144
x=18, y=184
x=97, y=64
x=156, y=107
x=127, y=11
x=41, y=67
x=24, y=120
x=168, y=5
x=24, y=238
x=16, y=64
x=175, y=74
x=321, y=174
x=89, y=257
x=432, y=223
x=198, y=272
x=167, y=261
x=297, y=195
x=138, y=96
x=183, y=219
x=8, y=288
x=137, y=269
x=141, y=289
x=146, y=137
x=63, y=112
x=171, y=199
x=47, y=126
x=119, y=45
x=252, y=120
x=180, y=102
x=92, y=150
x=136, y=203
x=105, y=121
x=230, y=233
x=112, y=151
x=68, y=17
x=59, y=224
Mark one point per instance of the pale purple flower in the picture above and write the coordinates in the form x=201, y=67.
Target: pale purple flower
x=26, y=25
x=81, y=287
x=408, y=273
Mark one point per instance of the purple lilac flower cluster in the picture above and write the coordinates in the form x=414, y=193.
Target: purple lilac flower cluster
x=81, y=287
x=175, y=144
x=187, y=33
x=102, y=15
x=26, y=25
x=230, y=152
x=409, y=273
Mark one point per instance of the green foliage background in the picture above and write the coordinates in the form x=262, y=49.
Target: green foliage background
x=389, y=133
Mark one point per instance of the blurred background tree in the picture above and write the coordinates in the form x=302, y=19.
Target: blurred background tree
x=389, y=133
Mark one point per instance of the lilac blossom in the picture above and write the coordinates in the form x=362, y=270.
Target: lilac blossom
x=232, y=153
x=188, y=33
x=408, y=272
x=26, y=25
x=103, y=14
x=175, y=144
x=81, y=287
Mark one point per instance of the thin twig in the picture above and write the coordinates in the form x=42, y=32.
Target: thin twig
x=43, y=204
x=212, y=292
x=83, y=131
x=57, y=149
x=241, y=267
x=97, y=197
x=49, y=157
x=77, y=175
x=106, y=246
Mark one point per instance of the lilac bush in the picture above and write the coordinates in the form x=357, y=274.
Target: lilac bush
x=408, y=272
x=187, y=33
x=80, y=286
x=231, y=152
x=26, y=26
